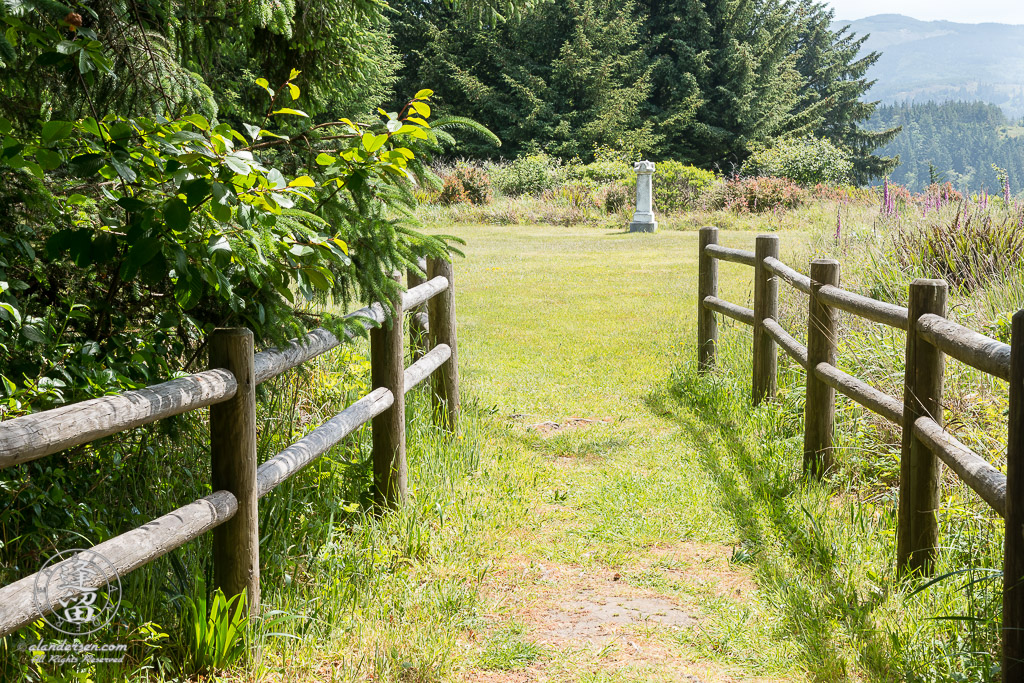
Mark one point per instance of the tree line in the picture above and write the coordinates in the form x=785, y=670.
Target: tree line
x=970, y=144
x=703, y=82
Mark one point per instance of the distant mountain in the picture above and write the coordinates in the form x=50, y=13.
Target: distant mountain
x=944, y=60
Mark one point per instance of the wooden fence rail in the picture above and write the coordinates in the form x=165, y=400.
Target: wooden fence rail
x=925, y=443
x=229, y=389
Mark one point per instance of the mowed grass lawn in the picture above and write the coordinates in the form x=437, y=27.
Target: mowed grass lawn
x=621, y=559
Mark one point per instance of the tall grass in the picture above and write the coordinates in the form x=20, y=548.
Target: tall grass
x=339, y=579
x=826, y=552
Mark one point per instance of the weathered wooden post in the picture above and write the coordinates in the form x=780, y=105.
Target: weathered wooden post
x=442, y=330
x=236, y=543
x=707, y=285
x=1013, y=558
x=820, y=405
x=387, y=369
x=766, y=305
x=418, y=314
x=920, y=470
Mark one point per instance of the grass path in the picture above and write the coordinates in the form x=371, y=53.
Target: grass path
x=621, y=563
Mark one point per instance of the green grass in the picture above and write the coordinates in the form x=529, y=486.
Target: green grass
x=673, y=485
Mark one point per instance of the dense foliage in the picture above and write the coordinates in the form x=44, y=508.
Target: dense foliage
x=806, y=160
x=970, y=144
x=704, y=83
x=563, y=78
x=153, y=187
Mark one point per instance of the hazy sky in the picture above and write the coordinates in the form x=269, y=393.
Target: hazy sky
x=975, y=11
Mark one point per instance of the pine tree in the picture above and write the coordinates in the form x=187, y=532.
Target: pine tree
x=724, y=78
x=834, y=81
x=564, y=77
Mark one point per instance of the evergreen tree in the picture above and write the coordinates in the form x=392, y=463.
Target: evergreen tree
x=959, y=141
x=725, y=80
x=564, y=77
x=834, y=86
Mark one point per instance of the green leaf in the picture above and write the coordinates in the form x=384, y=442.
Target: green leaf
x=301, y=250
x=218, y=243
x=294, y=91
x=188, y=291
x=319, y=279
x=324, y=159
x=49, y=159
x=253, y=131
x=276, y=179
x=89, y=125
x=195, y=191
x=293, y=112
x=221, y=212
x=371, y=142
x=143, y=251
x=424, y=94
x=422, y=108
x=132, y=204
x=11, y=311
x=263, y=83
x=294, y=74
x=123, y=170
x=198, y=121
x=54, y=131
x=84, y=62
x=176, y=215
x=33, y=334
x=237, y=164
x=302, y=181
x=85, y=165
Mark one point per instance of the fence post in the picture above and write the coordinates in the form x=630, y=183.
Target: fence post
x=417, y=315
x=707, y=285
x=1013, y=558
x=766, y=305
x=387, y=369
x=920, y=470
x=236, y=543
x=820, y=404
x=442, y=330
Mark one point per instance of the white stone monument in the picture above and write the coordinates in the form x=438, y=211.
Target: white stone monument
x=643, y=219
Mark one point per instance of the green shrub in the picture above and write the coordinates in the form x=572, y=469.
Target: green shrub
x=609, y=166
x=807, y=161
x=527, y=175
x=604, y=172
x=677, y=186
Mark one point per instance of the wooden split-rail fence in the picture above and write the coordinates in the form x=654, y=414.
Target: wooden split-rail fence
x=228, y=388
x=925, y=444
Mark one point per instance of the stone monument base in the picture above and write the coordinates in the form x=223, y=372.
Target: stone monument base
x=643, y=227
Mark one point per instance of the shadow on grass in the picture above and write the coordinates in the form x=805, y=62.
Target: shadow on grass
x=760, y=491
